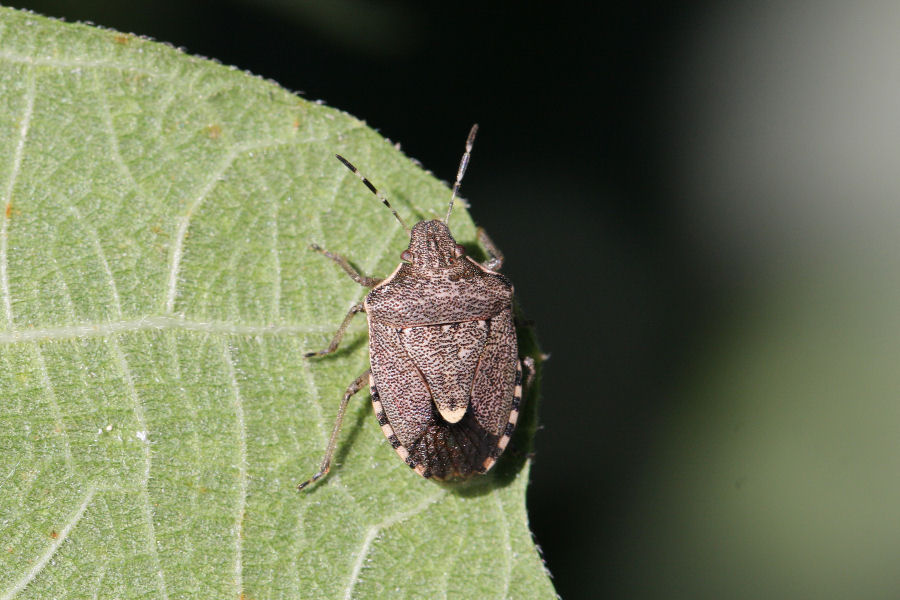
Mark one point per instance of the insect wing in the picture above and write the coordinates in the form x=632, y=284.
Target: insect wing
x=496, y=388
x=447, y=356
x=402, y=391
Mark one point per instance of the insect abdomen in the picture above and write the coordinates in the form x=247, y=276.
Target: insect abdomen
x=406, y=383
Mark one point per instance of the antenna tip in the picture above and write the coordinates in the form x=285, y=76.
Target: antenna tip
x=345, y=162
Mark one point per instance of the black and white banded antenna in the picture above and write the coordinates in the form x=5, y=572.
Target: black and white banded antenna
x=372, y=189
x=463, y=163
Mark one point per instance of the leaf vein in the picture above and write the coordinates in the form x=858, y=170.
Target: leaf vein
x=42, y=561
x=101, y=256
x=117, y=159
x=276, y=263
x=24, y=124
x=185, y=220
x=456, y=554
x=58, y=63
x=141, y=419
x=507, y=547
x=242, y=470
x=172, y=345
x=154, y=323
x=54, y=405
x=373, y=531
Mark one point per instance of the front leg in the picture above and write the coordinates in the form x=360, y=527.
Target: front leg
x=495, y=257
x=345, y=265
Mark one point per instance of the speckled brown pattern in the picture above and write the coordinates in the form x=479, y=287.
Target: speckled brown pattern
x=444, y=357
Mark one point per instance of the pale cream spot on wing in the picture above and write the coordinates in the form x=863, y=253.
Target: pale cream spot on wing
x=452, y=415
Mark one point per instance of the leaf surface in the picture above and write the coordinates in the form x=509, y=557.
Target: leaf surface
x=156, y=297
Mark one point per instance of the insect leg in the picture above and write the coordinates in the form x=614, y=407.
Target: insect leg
x=357, y=308
x=495, y=257
x=345, y=265
x=360, y=382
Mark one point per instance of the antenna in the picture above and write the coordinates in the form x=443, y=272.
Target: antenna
x=372, y=189
x=463, y=163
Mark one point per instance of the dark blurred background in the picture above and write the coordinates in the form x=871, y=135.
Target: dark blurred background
x=699, y=207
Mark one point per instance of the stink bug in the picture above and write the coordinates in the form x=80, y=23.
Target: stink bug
x=445, y=376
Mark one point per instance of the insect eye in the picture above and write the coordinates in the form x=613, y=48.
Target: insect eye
x=460, y=250
x=406, y=255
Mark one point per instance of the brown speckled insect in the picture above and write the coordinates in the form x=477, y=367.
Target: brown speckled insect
x=445, y=376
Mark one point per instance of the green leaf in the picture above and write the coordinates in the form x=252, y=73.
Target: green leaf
x=156, y=296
